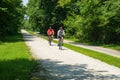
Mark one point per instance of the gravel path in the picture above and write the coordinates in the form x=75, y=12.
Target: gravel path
x=67, y=64
x=111, y=52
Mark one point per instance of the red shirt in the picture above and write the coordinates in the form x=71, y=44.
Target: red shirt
x=50, y=32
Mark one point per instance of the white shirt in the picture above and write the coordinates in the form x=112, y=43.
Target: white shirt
x=60, y=33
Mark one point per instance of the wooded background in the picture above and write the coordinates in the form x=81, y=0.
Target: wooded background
x=86, y=20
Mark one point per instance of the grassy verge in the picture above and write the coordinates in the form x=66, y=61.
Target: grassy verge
x=31, y=32
x=72, y=39
x=97, y=55
x=15, y=59
x=112, y=46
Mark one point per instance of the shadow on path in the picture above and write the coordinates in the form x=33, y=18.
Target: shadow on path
x=27, y=37
x=55, y=70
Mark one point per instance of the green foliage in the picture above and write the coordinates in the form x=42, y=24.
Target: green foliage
x=35, y=14
x=62, y=3
x=11, y=15
x=98, y=20
x=43, y=14
x=87, y=20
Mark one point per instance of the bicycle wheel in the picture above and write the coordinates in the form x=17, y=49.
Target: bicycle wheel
x=50, y=40
x=60, y=45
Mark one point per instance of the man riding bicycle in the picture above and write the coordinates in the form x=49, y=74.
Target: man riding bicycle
x=60, y=35
x=50, y=33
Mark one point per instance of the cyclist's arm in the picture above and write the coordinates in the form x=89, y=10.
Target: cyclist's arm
x=53, y=32
x=47, y=32
x=63, y=33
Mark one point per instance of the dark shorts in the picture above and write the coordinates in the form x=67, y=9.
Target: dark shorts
x=60, y=37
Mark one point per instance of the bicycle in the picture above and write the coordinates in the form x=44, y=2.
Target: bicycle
x=60, y=43
x=50, y=39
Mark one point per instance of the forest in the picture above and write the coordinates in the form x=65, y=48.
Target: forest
x=11, y=17
x=86, y=20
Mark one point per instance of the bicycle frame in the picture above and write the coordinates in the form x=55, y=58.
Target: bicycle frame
x=50, y=39
x=60, y=44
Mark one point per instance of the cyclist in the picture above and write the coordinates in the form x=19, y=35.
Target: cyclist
x=60, y=34
x=50, y=33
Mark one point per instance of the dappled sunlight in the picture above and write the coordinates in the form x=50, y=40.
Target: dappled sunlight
x=55, y=70
x=55, y=64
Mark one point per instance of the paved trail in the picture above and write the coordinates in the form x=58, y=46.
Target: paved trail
x=67, y=64
x=111, y=52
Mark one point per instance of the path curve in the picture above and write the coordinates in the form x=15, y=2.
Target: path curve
x=68, y=64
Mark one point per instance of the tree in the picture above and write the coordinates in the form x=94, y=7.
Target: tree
x=87, y=20
x=11, y=15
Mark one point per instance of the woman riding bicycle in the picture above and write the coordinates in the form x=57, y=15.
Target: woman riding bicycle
x=60, y=35
x=50, y=33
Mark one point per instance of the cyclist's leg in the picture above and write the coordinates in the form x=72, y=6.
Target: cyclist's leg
x=50, y=39
x=62, y=40
x=58, y=41
x=61, y=43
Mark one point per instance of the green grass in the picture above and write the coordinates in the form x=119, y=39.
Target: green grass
x=97, y=55
x=31, y=32
x=72, y=39
x=112, y=46
x=15, y=59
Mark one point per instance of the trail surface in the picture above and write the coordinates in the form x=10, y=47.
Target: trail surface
x=107, y=51
x=66, y=64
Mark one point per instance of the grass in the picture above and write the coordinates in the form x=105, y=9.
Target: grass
x=31, y=32
x=15, y=59
x=72, y=39
x=97, y=55
x=112, y=46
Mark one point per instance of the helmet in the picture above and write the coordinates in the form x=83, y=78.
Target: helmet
x=49, y=27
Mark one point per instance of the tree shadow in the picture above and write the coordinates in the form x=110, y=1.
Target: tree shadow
x=52, y=44
x=11, y=38
x=27, y=37
x=16, y=38
x=55, y=70
x=17, y=69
